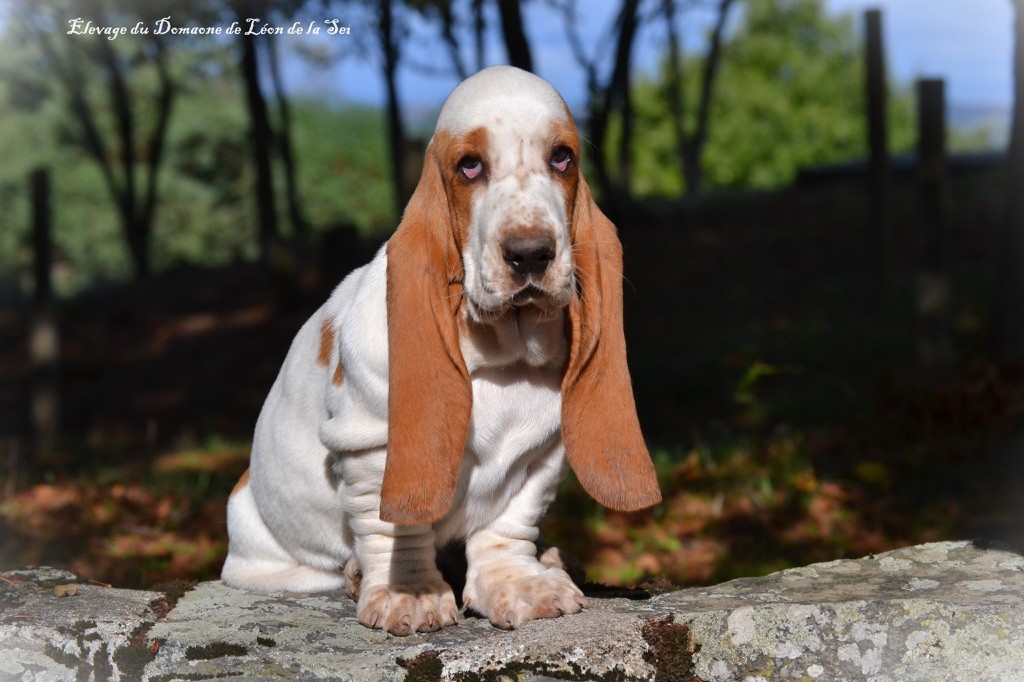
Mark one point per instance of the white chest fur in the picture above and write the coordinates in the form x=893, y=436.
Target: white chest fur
x=516, y=366
x=516, y=371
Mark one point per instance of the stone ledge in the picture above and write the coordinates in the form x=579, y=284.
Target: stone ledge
x=949, y=610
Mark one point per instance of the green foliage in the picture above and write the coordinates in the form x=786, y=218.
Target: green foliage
x=205, y=213
x=343, y=167
x=85, y=224
x=979, y=138
x=790, y=94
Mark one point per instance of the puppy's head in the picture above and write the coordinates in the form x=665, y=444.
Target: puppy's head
x=502, y=218
x=507, y=152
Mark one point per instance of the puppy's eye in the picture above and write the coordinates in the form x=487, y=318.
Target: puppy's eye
x=471, y=166
x=561, y=159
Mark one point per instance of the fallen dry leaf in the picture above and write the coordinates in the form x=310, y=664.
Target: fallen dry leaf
x=69, y=590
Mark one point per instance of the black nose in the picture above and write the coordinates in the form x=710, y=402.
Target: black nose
x=528, y=255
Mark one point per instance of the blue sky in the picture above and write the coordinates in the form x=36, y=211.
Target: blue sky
x=966, y=41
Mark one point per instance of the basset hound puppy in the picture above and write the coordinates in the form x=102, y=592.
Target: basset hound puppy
x=443, y=390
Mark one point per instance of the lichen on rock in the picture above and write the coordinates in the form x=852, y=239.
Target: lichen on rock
x=949, y=610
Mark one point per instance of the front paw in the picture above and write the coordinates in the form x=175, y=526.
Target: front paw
x=510, y=601
x=402, y=611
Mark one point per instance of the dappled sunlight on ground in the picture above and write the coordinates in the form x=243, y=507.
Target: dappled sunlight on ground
x=748, y=513
x=127, y=529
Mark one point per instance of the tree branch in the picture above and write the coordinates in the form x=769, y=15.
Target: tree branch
x=284, y=139
x=126, y=128
x=712, y=62
x=448, y=35
x=516, y=44
x=676, y=82
x=92, y=138
x=165, y=102
x=479, y=27
x=589, y=66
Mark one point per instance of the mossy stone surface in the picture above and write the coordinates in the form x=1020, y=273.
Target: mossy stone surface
x=950, y=610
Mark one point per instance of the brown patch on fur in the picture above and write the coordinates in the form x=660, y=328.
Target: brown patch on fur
x=338, y=378
x=600, y=428
x=564, y=134
x=323, y=356
x=429, y=383
x=458, y=190
x=242, y=482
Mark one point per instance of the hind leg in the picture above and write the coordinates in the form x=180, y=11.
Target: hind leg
x=256, y=561
x=553, y=557
x=353, y=578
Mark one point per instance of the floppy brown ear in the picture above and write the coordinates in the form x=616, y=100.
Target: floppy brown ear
x=429, y=394
x=599, y=424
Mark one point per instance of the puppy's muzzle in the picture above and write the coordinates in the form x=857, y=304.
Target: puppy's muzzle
x=528, y=256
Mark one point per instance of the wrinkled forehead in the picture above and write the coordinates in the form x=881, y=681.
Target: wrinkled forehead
x=501, y=97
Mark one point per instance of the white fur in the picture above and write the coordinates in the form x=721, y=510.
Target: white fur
x=500, y=91
x=313, y=496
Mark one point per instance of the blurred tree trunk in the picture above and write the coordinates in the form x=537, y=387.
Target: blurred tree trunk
x=879, y=167
x=598, y=128
x=44, y=337
x=614, y=96
x=618, y=92
x=135, y=199
x=121, y=104
x=676, y=84
x=157, y=145
x=935, y=339
x=479, y=31
x=259, y=139
x=692, y=148
x=691, y=145
x=450, y=41
x=516, y=44
x=397, y=144
x=596, y=114
x=1010, y=278
x=300, y=226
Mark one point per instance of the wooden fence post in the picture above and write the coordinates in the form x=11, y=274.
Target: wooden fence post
x=44, y=340
x=935, y=341
x=879, y=169
x=1009, y=294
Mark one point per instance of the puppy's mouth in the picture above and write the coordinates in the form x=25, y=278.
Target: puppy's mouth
x=530, y=294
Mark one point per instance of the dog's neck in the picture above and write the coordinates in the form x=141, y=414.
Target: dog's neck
x=525, y=335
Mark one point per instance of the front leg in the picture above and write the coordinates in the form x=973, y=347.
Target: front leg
x=505, y=581
x=399, y=587
x=401, y=590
